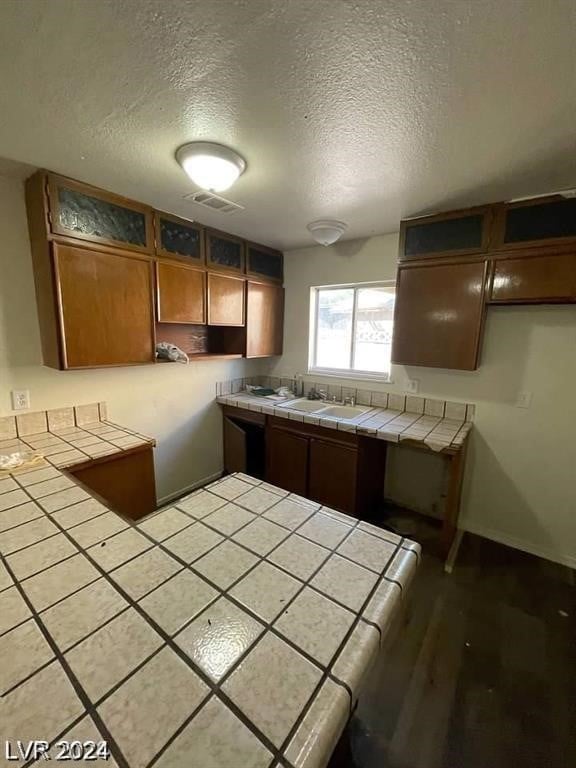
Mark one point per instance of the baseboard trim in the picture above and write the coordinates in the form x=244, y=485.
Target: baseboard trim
x=521, y=544
x=189, y=488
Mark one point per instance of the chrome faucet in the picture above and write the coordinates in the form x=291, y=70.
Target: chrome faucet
x=350, y=401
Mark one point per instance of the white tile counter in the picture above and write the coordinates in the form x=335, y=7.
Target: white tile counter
x=438, y=425
x=232, y=629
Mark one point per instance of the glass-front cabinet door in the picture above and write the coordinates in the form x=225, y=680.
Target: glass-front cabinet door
x=264, y=263
x=179, y=238
x=83, y=212
x=224, y=253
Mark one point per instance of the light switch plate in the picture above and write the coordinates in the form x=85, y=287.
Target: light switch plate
x=412, y=386
x=20, y=399
x=524, y=400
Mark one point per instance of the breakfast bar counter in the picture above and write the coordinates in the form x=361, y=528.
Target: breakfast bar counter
x=231, y=629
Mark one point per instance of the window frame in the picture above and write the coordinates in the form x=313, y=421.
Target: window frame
x=342, y=373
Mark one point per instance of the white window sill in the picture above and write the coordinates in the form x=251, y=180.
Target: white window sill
x=383, y=378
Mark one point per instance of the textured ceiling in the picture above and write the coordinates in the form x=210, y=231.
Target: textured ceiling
x=365, y=111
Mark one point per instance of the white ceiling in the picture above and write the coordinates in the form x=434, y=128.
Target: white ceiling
x=364, y=110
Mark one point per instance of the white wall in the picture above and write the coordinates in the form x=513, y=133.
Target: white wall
x=520, y=485
x=172, y=403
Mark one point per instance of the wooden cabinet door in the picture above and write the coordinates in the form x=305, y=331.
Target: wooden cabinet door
x=180, y=294
x=287, y=460
x=235, y=447
x=105, y=307
x=534, y=279
x=332, y=475
x=125, y=482
x=264, y=319
x=225, y=300
x=439, y=315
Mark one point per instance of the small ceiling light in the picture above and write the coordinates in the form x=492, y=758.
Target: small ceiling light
x=210, y=166
x=327, y=231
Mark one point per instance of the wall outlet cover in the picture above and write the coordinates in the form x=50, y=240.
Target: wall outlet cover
x=412, y=386
x=524, y=400
x=20, y=399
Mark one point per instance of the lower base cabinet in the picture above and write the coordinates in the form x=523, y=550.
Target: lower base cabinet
x=339, y=470
x=244, y=444
x=287, y=457
x=332, y=474
x=125, y=483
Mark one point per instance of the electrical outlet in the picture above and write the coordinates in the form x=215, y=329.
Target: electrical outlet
x=524, y=400
x=412, y=386
x=20, y=399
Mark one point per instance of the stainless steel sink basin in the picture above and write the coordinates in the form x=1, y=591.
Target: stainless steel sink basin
x=343, y=411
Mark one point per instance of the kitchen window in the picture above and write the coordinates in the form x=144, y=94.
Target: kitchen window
x=351, y=330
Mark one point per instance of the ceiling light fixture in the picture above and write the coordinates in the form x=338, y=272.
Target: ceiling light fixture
x=210, y=166
x=327, y=231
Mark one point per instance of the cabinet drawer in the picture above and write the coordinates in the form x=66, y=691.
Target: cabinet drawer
x=534, y=279
x=86, y=213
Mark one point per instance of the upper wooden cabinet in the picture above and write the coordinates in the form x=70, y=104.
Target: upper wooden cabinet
x=104, y=306
x=534, y=279
x=180, y=294
x=186, y=283
x=264, y=263
x=264, y=319
x=86, y=213
x=547, y=221
x=179, y=239
x=224, y=253
x=439, y=315
x=226, y=296
x=447, y=234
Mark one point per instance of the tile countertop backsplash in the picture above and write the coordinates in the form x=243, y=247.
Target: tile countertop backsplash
x=438, y=424
x=231, y=628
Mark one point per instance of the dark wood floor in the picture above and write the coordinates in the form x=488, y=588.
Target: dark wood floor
x=482, y=674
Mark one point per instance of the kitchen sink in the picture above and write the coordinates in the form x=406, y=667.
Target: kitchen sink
x=321, y=408
x=308, y=406
x=342, y=411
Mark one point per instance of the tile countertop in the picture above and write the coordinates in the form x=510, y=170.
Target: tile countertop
x=231, y=629
x=430, y=427
x=70, y=442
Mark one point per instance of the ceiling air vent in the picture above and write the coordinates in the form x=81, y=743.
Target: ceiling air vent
x=215, y=202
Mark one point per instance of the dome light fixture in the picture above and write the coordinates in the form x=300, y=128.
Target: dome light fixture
x=210, y=166
x=327, y=231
